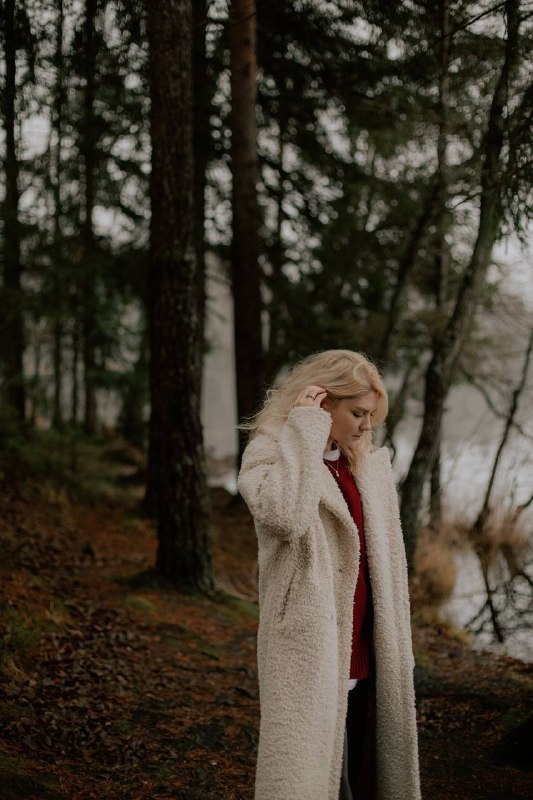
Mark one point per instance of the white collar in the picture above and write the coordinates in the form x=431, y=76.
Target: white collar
x=332, y=455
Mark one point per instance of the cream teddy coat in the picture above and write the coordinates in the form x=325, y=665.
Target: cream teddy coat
x=308, y=553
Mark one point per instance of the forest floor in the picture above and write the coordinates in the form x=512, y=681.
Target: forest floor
x=114, y=686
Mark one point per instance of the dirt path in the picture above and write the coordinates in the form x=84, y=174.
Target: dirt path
x=115, y=687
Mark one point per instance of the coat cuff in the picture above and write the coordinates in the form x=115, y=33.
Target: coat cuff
x=313, y=424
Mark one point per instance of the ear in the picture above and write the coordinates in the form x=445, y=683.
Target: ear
x=327, y=403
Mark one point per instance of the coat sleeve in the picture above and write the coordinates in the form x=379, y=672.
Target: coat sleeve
x=280, y=478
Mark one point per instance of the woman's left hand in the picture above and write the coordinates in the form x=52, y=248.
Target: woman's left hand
x=312, y=396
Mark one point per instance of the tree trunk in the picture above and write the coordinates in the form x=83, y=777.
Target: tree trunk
x=33, y=399
x=75, y=392
x=441, y=226
x=184, y=551
x=272, y=356
x=200, y=152
x=245, y=243
x=200, y=143
x=59, y=293
x=440, y=369
x=397, y=408
x=405, y=269
x=12, y=328
x=87, y=230
x=435, y=490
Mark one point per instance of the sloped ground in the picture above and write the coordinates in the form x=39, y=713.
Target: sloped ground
x=113, y=686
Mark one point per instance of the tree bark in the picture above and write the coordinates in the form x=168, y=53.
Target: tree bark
x=397, y=407
x=441, y=226
x=245, y=270
x=87, y=230
x=272, y=357
x=435, y=489
x=200, y=143
x=405, y=269
x=184, y=551
x=12, y=327
x=76, y=337
x=440, y=369
x=59, y=293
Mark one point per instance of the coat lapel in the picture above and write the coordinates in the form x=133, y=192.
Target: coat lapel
x=333, y=499
x=365, y=476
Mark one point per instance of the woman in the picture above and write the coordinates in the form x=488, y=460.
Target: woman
x=311, y=742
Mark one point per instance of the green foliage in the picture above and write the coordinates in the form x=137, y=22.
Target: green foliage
x=79, y=297
x=348, y=117
x=68, y=463
x=349, y=114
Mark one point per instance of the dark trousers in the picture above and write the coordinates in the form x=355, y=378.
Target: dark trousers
x=358, y=779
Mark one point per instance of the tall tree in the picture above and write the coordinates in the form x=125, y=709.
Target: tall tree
x=12, y=329
x=201, y=140
x=446, y=351
x=441, y=225
x=176, y=445
x=87, y=301
x=245, y=270
x=56, y=179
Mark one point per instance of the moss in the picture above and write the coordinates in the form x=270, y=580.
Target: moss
x=180, y=645
x=231, y=607
x=122, y=727
x=67, y=461
x=139, y=602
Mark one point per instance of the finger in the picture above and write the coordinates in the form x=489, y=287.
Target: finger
x=306, y=397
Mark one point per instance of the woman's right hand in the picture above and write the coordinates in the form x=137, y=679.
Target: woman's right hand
x=311, y=396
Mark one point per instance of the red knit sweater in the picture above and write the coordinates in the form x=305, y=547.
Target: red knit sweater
x=363, y=616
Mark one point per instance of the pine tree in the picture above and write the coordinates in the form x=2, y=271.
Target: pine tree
x=176, y=447
x=245, y=229
x=15, y=34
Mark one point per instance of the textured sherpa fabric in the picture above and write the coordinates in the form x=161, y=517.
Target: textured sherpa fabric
x=308, y=554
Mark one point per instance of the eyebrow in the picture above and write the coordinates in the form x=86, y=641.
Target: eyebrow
x=360, y=408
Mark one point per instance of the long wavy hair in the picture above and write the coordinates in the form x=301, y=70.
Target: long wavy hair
x=343, y=374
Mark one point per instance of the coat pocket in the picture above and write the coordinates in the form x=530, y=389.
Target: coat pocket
x=287, y=596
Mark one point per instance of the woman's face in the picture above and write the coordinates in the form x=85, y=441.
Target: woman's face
x=351, y=417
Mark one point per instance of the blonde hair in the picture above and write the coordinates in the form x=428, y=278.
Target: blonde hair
x=343, y=373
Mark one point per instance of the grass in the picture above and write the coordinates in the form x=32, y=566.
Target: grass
x=140, y=603
x=435, y=569
x=86, y=469
x=230, y=607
